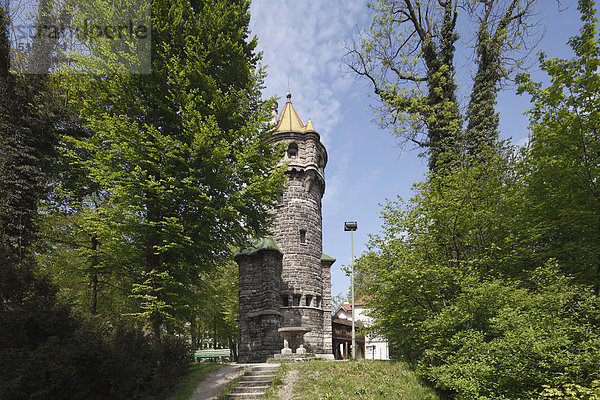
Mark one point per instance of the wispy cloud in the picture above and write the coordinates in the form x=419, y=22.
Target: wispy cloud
x=302, y=41
x=339, y=180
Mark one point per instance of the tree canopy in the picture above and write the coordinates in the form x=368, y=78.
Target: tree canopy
x=123, y=195
x=487, y=279
x=176, y=157
x=408, y=55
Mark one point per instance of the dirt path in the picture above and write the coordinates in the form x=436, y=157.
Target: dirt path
x=286, y=391
x=215, y=382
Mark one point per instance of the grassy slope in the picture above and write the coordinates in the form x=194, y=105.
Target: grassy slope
x=190, y=382
x=358, y=380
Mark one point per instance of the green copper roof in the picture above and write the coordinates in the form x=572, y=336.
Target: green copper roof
x=267, y=243
x=325, y=257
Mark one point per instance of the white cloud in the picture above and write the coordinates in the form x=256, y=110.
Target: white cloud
x=303, y=41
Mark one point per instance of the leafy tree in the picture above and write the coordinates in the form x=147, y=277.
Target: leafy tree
x=486, y=279
x=47, y=351
x=458, y=289
x=563, y=163
x=179, y=155
x=213, y=317
x=459, y=224
x=501, y=33
x=408, y=56
x=361, y=280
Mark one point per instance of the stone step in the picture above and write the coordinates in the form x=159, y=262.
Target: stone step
x=250, y=389
x=254, y=383
x=266, y=366
x=257, y=378
x=260, y=373
x=245, y=396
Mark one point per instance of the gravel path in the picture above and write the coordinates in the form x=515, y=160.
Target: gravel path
x=215, y=382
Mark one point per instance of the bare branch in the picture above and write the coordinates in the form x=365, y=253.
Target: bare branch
x=415, y=20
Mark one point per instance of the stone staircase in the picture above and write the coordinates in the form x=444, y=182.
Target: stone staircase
x=255, y=382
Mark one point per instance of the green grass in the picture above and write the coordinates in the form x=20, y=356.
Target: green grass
x=233, y=383
x=189, y=383
x=278, y=381
x=370, y=380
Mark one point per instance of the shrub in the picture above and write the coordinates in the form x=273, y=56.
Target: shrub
x=48, y=353
x=505, y=340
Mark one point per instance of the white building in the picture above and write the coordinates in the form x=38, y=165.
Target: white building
x=376, y=347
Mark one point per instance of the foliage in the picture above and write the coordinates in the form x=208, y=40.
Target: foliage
x=563, y=164
x=138, y=367
x=48, y=353
x=572, y=391
x=456, y=226
x=175, y=162
x=213, y=316
x=153, y=178
x=486, y=280
x=499, y=339
x=458, y=293
x=339, y=299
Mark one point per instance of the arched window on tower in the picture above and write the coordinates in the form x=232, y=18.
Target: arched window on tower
x=292, y=151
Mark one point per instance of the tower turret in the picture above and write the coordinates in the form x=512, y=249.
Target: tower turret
x=305, y=280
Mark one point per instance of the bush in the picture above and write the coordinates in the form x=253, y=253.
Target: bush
x=503, y=340
x=48, y=353
x=138, y=368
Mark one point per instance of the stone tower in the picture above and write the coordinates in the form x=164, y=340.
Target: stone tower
x=286, y=280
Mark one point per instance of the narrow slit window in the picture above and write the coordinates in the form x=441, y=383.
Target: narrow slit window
x=308, y=301
x=303, y=236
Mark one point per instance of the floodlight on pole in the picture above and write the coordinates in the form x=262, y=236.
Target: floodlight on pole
x=352, y=226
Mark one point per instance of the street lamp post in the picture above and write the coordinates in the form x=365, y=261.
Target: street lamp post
x=352, y=226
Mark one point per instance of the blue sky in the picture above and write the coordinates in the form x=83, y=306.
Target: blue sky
x=303, y=43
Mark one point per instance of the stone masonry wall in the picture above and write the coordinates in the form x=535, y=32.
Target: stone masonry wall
x=302, y=275
x=291, y=287
x=327, y=327
x=259, y=285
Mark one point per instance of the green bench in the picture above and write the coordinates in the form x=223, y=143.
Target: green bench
x=212, y=354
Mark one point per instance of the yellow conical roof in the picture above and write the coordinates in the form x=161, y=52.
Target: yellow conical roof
x=289, y=120
x=309, y=126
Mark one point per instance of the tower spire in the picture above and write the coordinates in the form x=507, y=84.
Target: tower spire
x=289, y=120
